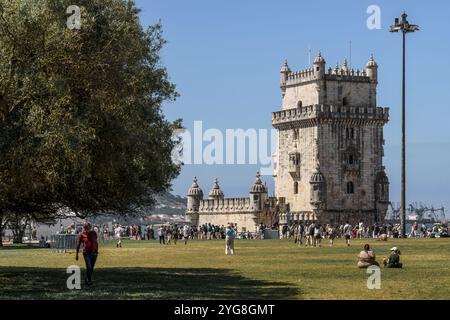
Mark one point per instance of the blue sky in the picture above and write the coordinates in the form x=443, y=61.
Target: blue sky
x=225, y=58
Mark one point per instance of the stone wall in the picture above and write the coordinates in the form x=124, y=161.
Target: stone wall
x=244, y=221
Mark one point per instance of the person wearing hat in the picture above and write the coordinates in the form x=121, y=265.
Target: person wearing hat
x=394, y=259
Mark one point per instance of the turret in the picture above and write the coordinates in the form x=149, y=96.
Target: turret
x=345, y=68
x=381, y=194
x=194, y=196
x=382, y=187
x=372, y=69
x=284, y=72
x=319, y=66
x=258, y=193
x=215, y=193
x=318, y=189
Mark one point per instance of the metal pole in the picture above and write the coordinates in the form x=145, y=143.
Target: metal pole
x=403, y=196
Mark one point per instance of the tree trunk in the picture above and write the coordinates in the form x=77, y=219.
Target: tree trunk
x=1, y=228
x=18, y=226
x=1, y=232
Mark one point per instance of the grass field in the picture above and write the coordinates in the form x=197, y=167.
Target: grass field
x=261, y=269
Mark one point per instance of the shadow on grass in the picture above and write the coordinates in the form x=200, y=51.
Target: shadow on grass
x=141, y=283
x=19, y=246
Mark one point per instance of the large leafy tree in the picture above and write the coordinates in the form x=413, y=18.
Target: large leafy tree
x=80, y=109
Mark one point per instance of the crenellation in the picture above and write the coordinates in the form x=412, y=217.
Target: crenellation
x=324, y=112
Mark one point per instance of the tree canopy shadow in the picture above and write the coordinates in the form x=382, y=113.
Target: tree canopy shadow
x=20, y=247
x=141, y=283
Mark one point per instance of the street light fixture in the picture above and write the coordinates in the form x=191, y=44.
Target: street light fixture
x=404, y=27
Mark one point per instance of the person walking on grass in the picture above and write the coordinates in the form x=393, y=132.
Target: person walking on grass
x=161, y=235
x=186, y=232
x=230, y=235
x=118, y=232
x=168, y=235
x=300, y=233
x=175, y=235
x=318, y=234
x=90, y=250
x=347, y=233
x=312, y=230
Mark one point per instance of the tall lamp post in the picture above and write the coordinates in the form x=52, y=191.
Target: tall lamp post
x=404, y=27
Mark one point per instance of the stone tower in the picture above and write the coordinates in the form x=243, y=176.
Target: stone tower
x=329, y=161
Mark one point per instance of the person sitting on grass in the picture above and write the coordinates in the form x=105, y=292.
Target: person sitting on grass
x=366, y=258
x=394, y=259
x=382, y=237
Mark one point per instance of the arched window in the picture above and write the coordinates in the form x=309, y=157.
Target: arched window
x=295, y=187
x=350, y=187
x=295, y=134
x=351, y=159
x=299, y=104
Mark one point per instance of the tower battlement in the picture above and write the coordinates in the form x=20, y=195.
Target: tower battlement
x=226, y=205
x=338, y=86
x=328, y=112
x=342, y=74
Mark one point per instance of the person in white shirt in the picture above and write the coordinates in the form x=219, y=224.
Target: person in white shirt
x=318, y=234
x=331, y=234
x=161, y=236
x=347, y=233
x=360, y=230
x=311, y=233
x=118, y=232
x=186, y=232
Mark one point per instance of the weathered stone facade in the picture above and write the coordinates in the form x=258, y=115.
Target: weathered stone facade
x=330, y=144
x=328, y=165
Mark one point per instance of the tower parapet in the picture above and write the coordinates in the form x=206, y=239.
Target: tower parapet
x=316, y=113
x=318, y=72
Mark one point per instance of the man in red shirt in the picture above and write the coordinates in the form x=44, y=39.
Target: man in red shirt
x=90, y=250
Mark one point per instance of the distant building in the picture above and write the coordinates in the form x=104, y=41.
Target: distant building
x=329, y=161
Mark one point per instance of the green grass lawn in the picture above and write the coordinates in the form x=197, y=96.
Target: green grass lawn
x=261, y=269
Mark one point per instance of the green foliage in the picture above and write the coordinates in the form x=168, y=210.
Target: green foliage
x=80, y=110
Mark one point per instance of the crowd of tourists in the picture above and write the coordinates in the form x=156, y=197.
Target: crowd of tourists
x=312, y=233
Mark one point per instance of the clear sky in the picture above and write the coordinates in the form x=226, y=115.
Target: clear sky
x=225, y=58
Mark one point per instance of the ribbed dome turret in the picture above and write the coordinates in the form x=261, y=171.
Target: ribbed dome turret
x=216, y=192
x=317, y=177
x=195, y=190
x=319, y=59
x=258, y=186
x=285, y=67
x=371, y=63
x=345, y=68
